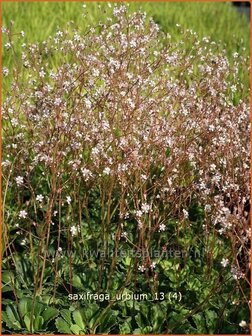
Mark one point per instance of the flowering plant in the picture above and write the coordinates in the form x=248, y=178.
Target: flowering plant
x=134, y=144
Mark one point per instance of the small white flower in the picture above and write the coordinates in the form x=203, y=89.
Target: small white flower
x=57, y=101
x=42, y=74
x=23, y=242
x=59, y=33
x=129, y=75
x=6, y=163
x=68, y=199
x=139, y=224
x=208, y=207
x=131, y=103
x=22, y=214
x=233, y=88
x=22, y=33
x=185, y=213
x=39, y=198
x=126, y=215
x=133, y=43
x=95, y=151
x=106, y=171
x=141, y=268
x=74, y=230
x=224, y=262
x=86, y=173
x=96, y=72
x=7, y=46
x=145, y=208
x=225, y=211
x=5, y=71
x=59, y=249
x=139, y=213
x=212, y=167
x=124, y=234
x=88, y=103
x=122, y=167
x=236, y=273
x=153, y=265
x=162, y=227
x=243, y=324
x=19, y=180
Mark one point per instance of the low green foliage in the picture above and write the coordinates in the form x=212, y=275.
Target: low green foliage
x=18, y=318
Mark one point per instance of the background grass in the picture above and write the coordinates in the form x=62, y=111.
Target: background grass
x=220, y=21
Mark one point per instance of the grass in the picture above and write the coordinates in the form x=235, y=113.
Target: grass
x=219, y=21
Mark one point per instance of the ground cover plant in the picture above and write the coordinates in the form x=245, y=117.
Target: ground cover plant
x=125, y=181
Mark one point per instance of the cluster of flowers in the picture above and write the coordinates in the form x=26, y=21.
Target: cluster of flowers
x=128, y=110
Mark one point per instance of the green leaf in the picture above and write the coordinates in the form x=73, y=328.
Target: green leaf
x=144, y=309
x=117, y=132
x=127, y=261
x=75, y=329
x=108, y=321
x=147, y=330
x=78, y=319
x=12, y=313
x=6, y=288
x=200, y=323
x=76, y=281
x=139, y=321
x=125, y=328
x=23, y=307
x=38, y=308
x=168, y=152
x=6, y=277
x=49, y=314
x=62, y=326
x=211, y=319
x=137, y=331
x=27, y=321
x=157, y=318
x=90, y=313
x=66, y=314
x=13, y=325
x=38, y=323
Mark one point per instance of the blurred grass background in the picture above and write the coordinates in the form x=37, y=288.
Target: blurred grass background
x=220, y=21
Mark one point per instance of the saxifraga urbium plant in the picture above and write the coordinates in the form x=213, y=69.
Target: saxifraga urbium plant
x=125, y=183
